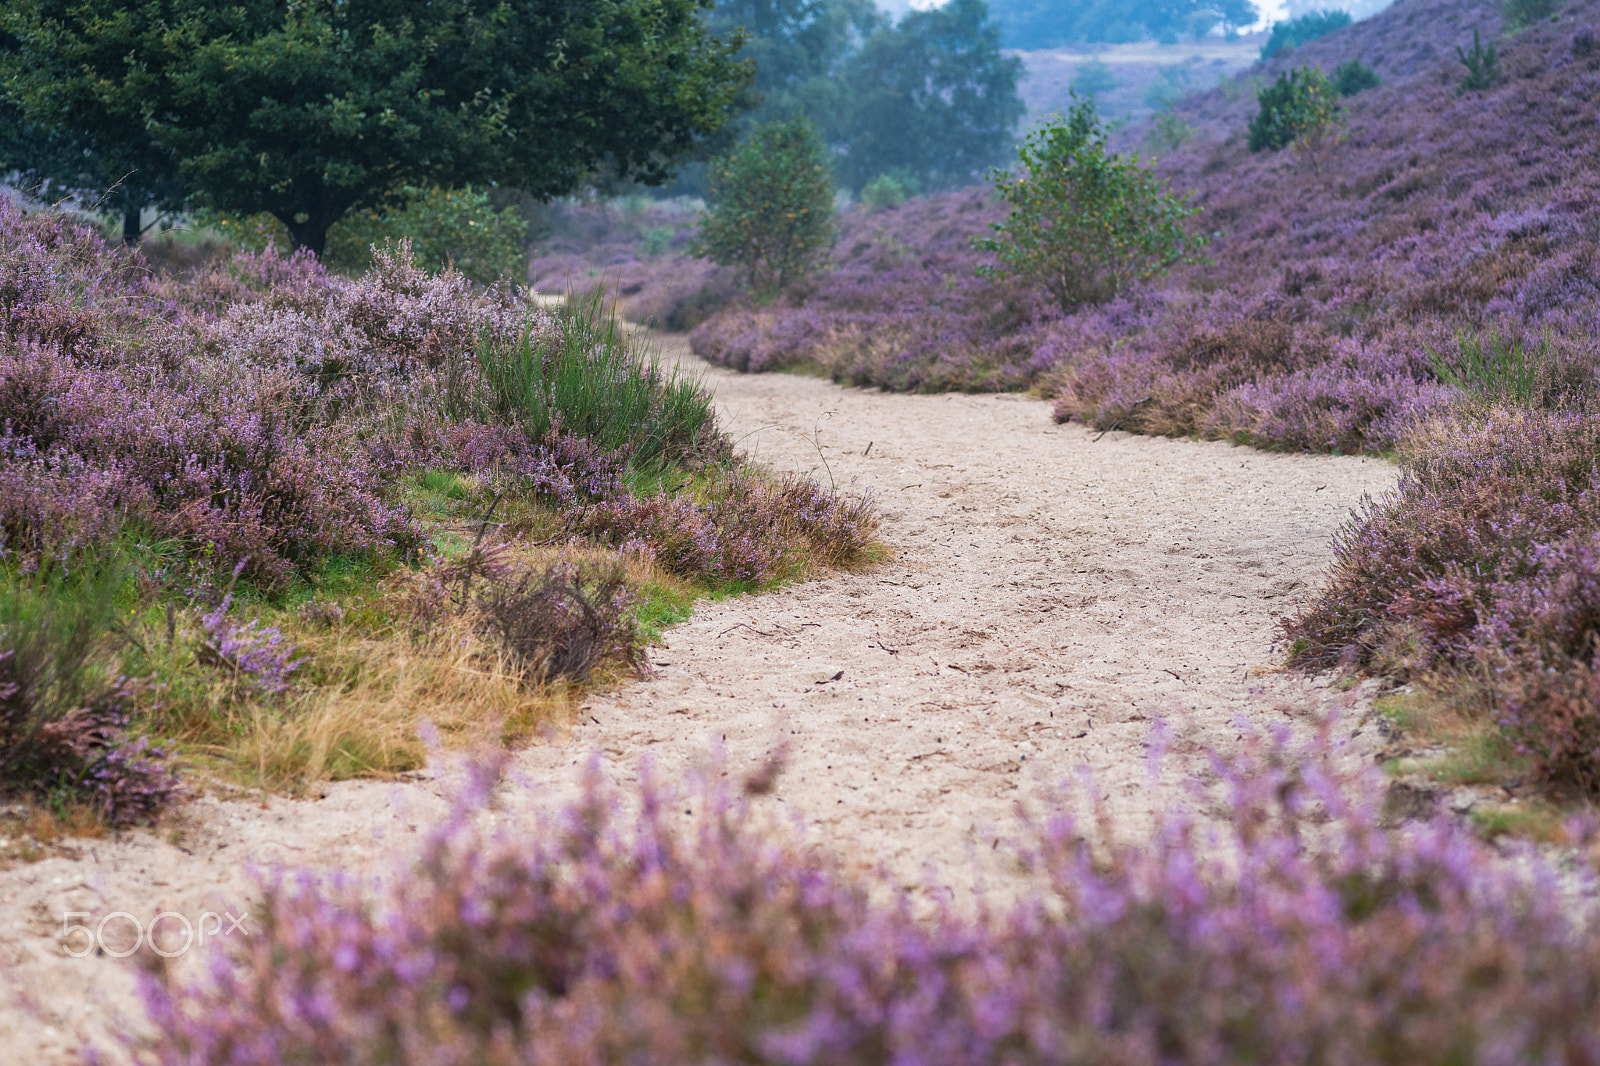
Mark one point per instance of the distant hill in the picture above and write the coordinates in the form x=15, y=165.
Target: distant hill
x=1147, y=75
x=1330, y=281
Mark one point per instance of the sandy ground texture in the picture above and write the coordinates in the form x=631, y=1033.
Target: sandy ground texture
x=1052, y=594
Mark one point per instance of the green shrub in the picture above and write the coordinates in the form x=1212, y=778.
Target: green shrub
x=1519, y=14
x=1085, y=223
x=589, y=380
x=446, y=226
x=1354, y=77
x=1170, y=85
x=656, y=240
x=884, y=191
x=1296, y=32
x=1492, y=369
x=1300, y=105
x=1483, y=66
x=770, y=211
x=1168, y=132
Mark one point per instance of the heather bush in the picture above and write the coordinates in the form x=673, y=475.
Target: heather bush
x=1085, y=223
x=770, y=208
x=252, y=654
x=1482, y=564
x=64, y=714
x=679, y=926
x=555, y=623
x=1442, y=216
x=904, y=308
x=737, y=527
x=317, y=437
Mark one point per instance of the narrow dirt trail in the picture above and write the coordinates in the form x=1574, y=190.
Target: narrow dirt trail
x=1052, y=595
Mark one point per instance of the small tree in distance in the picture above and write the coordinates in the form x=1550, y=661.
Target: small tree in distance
x=770, y=211
x=1085, y=223
x=1301, y=106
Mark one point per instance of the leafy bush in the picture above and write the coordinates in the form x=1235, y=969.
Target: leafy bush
x=656, y=240
x=1170, y=85
x=1353, y=77
x=457, y=228
x=1301, y=106
x=63, y=713
x=770, y=211
x=678, y=926
x=1168, y=132
x=882, y=192
x=1519, y=14
x=1296, y=32
x=1085, y=223
x=1483, y=66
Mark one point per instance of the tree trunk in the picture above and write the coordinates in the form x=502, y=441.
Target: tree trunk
x=312, y=235
x=131, y=227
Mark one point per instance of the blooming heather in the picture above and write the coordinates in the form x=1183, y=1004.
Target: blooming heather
x=673, y=927
x=1486, y=561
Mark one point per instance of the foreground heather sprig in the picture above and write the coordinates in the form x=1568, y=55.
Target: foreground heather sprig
x=680, y=927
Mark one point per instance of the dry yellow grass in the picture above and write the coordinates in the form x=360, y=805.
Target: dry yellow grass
x=371, y=682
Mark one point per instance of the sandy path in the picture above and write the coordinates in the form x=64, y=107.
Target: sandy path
x=1052, y=595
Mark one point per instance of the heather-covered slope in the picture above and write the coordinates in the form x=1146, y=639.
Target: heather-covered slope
x=1332, y=280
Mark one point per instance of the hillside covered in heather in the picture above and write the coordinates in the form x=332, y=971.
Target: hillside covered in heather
x=1335, y=285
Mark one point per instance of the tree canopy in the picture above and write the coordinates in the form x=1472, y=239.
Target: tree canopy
x=309, y=109
x=931, y=97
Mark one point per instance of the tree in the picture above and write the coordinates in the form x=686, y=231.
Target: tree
x=770, y=211
x=1093, y=78
x=1296, y=32
x=309, y=109
x=932, y=97
x=796, y=46
x=108, y=164
x=1301, y=106
x=1483, y=66
x=1085, y=223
